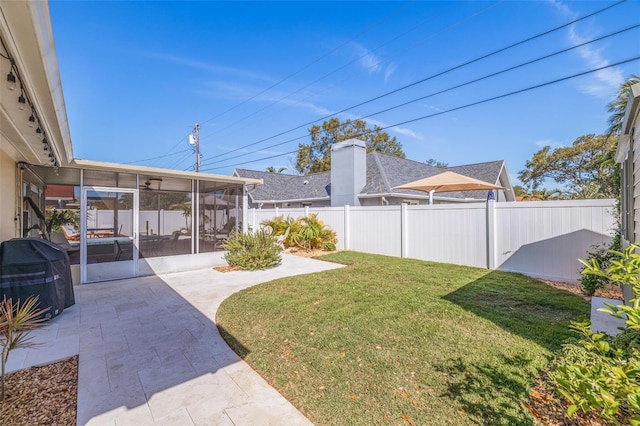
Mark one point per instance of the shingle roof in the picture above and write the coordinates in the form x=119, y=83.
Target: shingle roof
x=383, y=173
x=280, y=186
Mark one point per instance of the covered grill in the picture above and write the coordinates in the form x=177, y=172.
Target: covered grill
x=36, y=267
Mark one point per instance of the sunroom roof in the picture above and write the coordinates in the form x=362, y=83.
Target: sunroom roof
x=155, y=171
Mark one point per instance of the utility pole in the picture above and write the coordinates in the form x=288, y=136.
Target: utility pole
x=194, y=139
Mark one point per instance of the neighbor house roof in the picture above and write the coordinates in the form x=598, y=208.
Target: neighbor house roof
x=383, y=173
x=280, y=187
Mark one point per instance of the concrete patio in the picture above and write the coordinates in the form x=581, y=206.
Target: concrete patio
x=150, y=352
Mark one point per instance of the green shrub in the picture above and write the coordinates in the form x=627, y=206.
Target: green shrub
x=328, y=246
x=55, y=218
x=313, y=233
x=603, y=254
x=252, y=251
x=307, y=233
x=278, y=226
x=602, y=372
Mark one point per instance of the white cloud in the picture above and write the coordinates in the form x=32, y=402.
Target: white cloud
x=389, y=70
x=241, y=91
x=369, y=61
x=400, y=130
x=316, y=109
x=548, y=142
x=220, y=69
x=603, y=82
x=433, y=107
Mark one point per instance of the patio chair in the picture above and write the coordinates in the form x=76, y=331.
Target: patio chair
x=174, y=240
x=70, y=233
x=59, y=239
x=119, y=250
x=228, y=227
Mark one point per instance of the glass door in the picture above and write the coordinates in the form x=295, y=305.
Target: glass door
x=108, y=234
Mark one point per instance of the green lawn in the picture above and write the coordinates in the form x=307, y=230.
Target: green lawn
x=399, y=341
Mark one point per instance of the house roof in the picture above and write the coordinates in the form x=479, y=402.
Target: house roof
x=383, y=173
x=278, y=187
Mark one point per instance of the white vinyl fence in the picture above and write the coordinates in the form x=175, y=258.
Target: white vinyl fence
x=540, y=238
x=162, y=222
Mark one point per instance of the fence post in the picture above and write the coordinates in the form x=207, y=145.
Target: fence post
x=491, y=234
x=306, y=211
x=277, y=212
x=403, y=230
x=253, y=220
x=345, y=237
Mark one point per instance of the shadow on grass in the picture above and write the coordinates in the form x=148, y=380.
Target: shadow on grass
x=490, y=394
x=234, y=344
x=531, y=309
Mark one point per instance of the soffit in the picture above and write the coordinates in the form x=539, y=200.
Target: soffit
x=25, y=29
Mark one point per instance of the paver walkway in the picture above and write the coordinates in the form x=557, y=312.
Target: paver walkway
x=150, y=352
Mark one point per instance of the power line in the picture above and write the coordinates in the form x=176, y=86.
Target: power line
x=180, y=160
x=156, y=158
x=500, y=72
x=340, y=68
x=467, y=63
x=493, y=98
x=452, y=87
x=404, y=6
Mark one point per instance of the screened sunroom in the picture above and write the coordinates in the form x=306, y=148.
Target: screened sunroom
x=117, y=221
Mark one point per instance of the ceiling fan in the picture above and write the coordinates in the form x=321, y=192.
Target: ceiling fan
x=147, y=184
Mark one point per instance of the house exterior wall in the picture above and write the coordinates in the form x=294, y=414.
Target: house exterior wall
x=634, y=142
x=628, y=155
x=8, y=191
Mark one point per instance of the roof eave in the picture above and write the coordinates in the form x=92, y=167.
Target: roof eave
x=26, y=28
x=293, y=200
x=128, y=168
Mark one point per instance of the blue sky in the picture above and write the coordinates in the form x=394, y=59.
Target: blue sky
x=137, y=76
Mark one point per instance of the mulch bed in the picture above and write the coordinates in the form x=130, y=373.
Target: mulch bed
x=609, y=292
x=544, y=405
x=45, y=395
x=296, y=252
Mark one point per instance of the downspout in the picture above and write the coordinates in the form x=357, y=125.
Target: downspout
x=18, y=199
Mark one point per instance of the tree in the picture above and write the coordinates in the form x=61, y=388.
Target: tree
x=618, y=106
x=519, y=191
x=542, y=195
x=315, y=157
x=587, y=166
x=435, y=163
x=272, y=169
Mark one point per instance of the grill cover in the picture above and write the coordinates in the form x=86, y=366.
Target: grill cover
x=36, y=267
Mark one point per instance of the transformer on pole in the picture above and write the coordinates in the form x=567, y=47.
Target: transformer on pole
x=194, y=140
